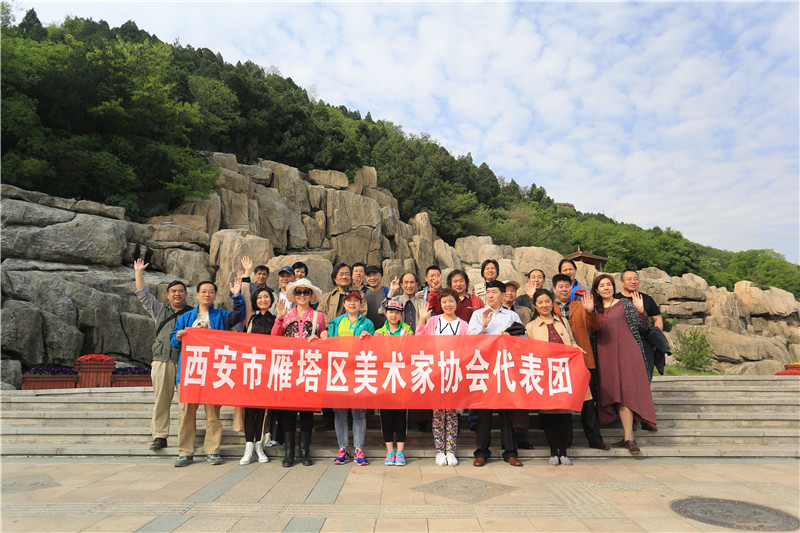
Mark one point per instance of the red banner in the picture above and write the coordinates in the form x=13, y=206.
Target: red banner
x=408, y=372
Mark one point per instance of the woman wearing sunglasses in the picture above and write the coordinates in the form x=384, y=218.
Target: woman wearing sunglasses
x=300, y=322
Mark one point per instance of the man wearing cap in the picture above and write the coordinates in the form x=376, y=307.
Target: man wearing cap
x=285, y=277
x=351, y=324
x=510, y=302
x=374, y=295
x=331, y=304
x=165, y=357
x=494, y=320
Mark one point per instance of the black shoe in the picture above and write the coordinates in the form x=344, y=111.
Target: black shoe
x=599, y=445
x=524, y=446
x=158, y=443
x=305, y=445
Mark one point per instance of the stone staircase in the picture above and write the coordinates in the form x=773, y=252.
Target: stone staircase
x=715, y=416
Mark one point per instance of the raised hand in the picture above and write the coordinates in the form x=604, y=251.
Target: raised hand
x=486, y=318
x=530, y=289
x=139, y=265
x=637, y=301
x=247, y=263
x=394, y=286
x=236, y=287
x=588, y=301
x=424, y=315
x=280, y=307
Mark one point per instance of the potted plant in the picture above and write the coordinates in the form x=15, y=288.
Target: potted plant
x=49, y=377
x=131, y=376
x=94, y=370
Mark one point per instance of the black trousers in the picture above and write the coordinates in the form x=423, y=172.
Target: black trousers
x=289, y=420
x=589, y=419
x=253, y=423
x=483, y=433
x=394, y=422
x=558, y=431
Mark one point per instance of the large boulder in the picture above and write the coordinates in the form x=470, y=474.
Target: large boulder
x=328, y=178
x=529, y=257
x=84, y=206
x=468, y=249
x=775, y=302
x=730, y=347
x=389, y=219
x=257, y=174
x=275, y=216
x=11, y=372
x=67, y=306
x=360, y=244
x=446, y=256
x=191, y=266
x=234, y=182
x=422, y=252
x=293, y=189
x=421, y=222
x=227, y=249
x=19, y=213
x=140, y=330
x=21, y=333
x=235, y=209
x=725, y=310
x=225, y=161
x=317, y=197
x=193, y=222
x=210, y=209
x=315, y=229
x=383, y=197
x=279, y=169
x=86, y=239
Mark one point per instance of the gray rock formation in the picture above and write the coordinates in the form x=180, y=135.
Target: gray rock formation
x=67, y=281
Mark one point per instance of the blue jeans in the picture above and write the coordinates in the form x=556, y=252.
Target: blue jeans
x=359, y=426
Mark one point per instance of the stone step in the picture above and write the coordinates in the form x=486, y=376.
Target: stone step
x=716, y=392
x=141, y=419
x=232, y=452
x=718, y=402
x=791, y=382
x=101, y=435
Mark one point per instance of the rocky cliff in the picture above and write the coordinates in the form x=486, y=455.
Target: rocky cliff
x=67, y=280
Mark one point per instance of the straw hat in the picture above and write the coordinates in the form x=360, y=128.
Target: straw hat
x=304, y=283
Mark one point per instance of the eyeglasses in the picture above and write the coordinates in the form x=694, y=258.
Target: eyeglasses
x=302, y=293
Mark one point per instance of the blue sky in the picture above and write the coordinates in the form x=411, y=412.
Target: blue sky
x=681, y=115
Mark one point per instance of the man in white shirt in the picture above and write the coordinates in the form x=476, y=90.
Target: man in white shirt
x=494, y=320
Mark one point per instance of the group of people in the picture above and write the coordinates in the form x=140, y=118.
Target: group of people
x=612, y=329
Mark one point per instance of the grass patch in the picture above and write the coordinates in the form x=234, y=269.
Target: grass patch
x=679, y=370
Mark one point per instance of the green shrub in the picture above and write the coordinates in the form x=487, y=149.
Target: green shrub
x=692, y=349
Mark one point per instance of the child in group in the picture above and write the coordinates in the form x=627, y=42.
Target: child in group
x=351, y=324
x=394, y=422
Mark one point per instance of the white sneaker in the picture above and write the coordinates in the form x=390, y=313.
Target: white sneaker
x=441, y=459
x=248, y=454
x=566, y=460
x=451, y=459
x=262, y=457
x=553, y=460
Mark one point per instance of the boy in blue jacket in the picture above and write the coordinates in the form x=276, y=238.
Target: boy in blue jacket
x=205, y=315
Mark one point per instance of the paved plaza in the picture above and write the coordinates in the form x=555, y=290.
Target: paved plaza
x=617, y=494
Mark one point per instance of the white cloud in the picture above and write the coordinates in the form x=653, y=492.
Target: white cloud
x=689, y=107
